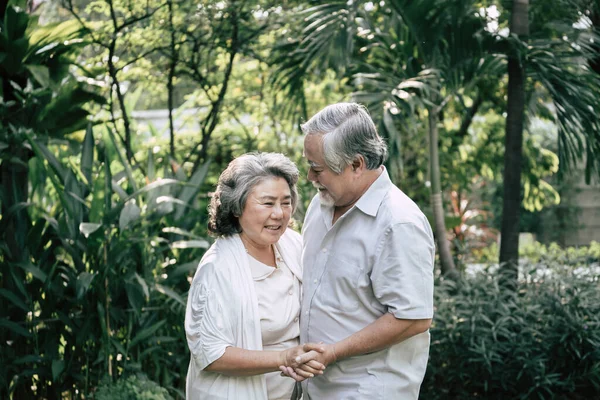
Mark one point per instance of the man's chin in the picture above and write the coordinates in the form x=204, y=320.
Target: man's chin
x=326, y=200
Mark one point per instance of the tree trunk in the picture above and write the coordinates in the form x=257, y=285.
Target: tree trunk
x=447, y=262
x=170, y=85
x=509, y=246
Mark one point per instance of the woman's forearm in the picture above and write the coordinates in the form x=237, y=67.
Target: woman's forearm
x=241, y=362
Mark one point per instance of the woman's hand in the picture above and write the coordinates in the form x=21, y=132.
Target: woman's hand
x=308, y=368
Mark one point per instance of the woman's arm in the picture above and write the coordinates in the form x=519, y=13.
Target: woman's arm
x=242, y=362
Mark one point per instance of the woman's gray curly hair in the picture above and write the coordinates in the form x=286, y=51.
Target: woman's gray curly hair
x=236, y=183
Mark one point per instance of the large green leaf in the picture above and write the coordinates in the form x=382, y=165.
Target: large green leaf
x=36, y=272
x=170, y=293
x=62, y=33
x=14, y=298
x=28, y=359
x=15, y=23
x=84, y=281
x=192, y=188
x=42, y=151
x=41, y=74
x=129, y=214
x=183, y=269
x=146, y=333
x=125, y=164
x=58, y=366
x=14, y=327
x=143, y=285
x=87, y=154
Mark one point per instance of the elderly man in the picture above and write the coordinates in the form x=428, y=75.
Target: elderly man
x=368, y=266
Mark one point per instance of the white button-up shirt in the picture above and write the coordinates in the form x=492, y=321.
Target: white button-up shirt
x=377, y=258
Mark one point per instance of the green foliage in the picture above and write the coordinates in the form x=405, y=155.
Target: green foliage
x=132, y=388
x=542, y=254
x=105, y=275
x=538, y=253
x=542, y=342
x=39, y=91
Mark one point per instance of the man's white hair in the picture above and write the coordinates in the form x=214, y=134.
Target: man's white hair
x=347, y=130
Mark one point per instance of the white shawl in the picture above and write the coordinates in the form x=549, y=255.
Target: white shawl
x=222, y=311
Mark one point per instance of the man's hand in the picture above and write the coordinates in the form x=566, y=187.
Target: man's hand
x=308, y=368
x=326, y=353
x=325, y=356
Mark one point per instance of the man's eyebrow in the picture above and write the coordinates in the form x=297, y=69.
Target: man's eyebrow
x=313, y=164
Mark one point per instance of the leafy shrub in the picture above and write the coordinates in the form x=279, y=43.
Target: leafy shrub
x=540, y=253
x=542, y=342
x=537, y=252
x=102, y=288
x=132, y=388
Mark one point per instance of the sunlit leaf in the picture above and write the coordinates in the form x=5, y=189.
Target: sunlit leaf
x=187, y=244
x=87, y=228
x=84, y=280
x=129, y=214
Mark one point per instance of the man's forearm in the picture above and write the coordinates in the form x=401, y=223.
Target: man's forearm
x=381, y=334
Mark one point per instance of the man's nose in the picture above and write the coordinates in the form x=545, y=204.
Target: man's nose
x=311, y=176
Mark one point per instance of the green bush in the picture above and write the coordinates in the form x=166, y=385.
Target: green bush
x=537, y=252
x=582, y=255
x=132, y=388
x=542, y=342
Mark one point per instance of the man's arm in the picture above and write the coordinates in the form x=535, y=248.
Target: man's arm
x=386, y=331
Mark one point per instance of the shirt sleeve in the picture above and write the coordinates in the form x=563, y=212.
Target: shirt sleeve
x=402, y=275
x=208, y=326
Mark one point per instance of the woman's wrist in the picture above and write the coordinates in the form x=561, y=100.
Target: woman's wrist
x=283, y=358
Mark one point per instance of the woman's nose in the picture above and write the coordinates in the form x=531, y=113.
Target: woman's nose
x=277, y=212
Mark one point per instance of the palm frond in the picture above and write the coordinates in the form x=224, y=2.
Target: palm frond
x=560, y=66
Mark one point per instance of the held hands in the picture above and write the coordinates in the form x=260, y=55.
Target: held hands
x=311, y=360
x=301, y=362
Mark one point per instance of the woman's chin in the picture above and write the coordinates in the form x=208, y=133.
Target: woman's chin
x=272, y=236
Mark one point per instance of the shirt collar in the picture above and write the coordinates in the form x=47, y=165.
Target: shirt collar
x=370, y=201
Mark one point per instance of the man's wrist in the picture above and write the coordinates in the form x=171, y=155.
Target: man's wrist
x=333, y=354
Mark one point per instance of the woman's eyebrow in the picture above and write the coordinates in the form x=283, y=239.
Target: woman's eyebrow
x=267, y=197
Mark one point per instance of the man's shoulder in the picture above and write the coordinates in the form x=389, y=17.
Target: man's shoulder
x=397, y=208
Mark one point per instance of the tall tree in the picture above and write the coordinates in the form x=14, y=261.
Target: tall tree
x=509, y=245
x=400, y=55
x=553, y=58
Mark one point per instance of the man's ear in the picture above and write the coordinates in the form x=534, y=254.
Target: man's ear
x=358, y=163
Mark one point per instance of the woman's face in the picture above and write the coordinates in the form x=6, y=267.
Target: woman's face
x=267, y=212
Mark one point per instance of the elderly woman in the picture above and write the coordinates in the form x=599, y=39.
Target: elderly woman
x=243, y=306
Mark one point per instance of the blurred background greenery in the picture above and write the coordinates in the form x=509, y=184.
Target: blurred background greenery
x=117, y=117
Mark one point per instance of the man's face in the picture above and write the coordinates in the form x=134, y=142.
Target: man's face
x=334, y=189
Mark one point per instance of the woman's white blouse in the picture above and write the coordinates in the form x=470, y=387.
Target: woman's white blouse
x=222, y=311
x=278, y=292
